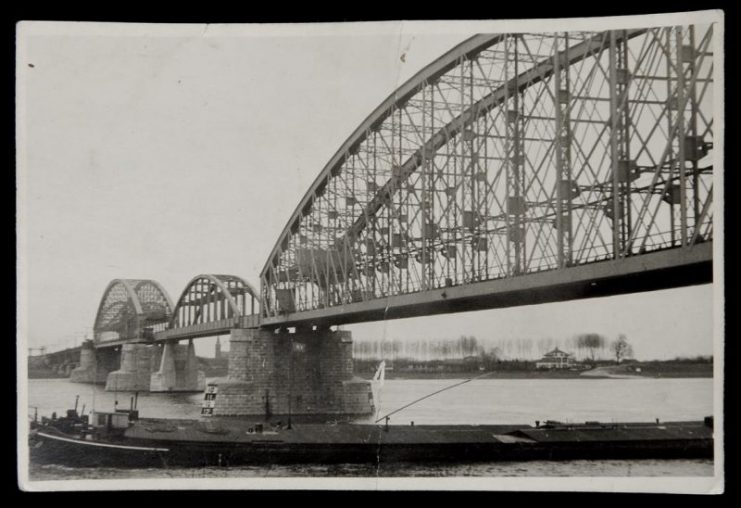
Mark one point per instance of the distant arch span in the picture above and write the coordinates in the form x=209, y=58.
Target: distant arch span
x=209, y=297
x=130, y=309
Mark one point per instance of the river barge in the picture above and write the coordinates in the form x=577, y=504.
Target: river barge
x=122, y=439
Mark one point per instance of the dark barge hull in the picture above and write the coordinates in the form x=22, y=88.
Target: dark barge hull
x=376, y=445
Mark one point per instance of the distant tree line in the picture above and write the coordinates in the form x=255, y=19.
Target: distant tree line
x=424, y=350
x=591, y=347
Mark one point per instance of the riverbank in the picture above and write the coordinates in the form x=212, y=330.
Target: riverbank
x=42, y=373
x=492, y=374
x=654, y=369
x=650, y=369
x=211, y=367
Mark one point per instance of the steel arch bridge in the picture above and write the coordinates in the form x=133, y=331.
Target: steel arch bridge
x=130, y=311
x=516, y=168
x=212, y=305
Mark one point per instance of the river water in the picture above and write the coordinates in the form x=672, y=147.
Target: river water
x=483, y=401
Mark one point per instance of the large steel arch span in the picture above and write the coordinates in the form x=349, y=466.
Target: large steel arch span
x=210, y=298
x=130, y=310
x=510, y=155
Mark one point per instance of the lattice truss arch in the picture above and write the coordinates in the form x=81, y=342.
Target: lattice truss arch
x=512, y=153
x=209, y=298
x=131, y=309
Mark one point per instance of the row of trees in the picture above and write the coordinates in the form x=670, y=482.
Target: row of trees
x=588, y=347
x=592, y=342
x=425, y=350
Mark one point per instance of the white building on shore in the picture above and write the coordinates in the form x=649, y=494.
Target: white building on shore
x=555, y=359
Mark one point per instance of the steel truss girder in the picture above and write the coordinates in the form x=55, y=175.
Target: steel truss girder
x=656, y=270
x=395, y=142
x=130, y=305
x=209, y=298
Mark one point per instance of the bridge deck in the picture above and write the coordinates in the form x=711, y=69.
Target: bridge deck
x=657, y=270
x=220, y=327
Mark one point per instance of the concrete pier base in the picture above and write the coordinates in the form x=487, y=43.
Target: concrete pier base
x=94, y=365
x=177, y=370
x=302, y=373
x=135, y=370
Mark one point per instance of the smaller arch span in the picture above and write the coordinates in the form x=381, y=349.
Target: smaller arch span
x=130, y=309
x=210, y=298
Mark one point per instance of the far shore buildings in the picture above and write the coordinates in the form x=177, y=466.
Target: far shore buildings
x=555, y=359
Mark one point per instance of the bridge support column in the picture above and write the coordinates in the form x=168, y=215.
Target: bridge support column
x=307, y=373
x=178, y=370
x=134, y=373
x=94, y=364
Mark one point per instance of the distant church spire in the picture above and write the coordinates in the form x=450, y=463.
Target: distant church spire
x=217, y=353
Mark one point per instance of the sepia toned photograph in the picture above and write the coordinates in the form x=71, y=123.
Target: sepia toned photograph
x=470, y=255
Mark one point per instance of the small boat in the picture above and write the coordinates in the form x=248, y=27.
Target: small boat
x=74, y=439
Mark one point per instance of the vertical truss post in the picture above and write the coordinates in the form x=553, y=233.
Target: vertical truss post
x=393, y=210
x=692, y=65
x=507, y=161
x=631, y=169
x=388, y=216
x=623, y=169
x=204, y=306
x=519, y=160
x=483, y=171
x=425, y=278
x=474, y=209
x=403, y=214
x=614, y=156
x=397, y=271
x=324, y=268
x=432, y=183
x=474, y=179
x=371, y=262
x=458, y=233
x=564, y=184
x=189, y=317
x=515, y=153
x=681, y=136
x=669, y=129
x=265, y=302
x=342, y=247
x=466, y=185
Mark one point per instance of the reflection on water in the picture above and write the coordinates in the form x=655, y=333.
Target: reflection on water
x=481, y=401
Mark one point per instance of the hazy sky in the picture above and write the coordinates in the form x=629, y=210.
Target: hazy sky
x=165, y=156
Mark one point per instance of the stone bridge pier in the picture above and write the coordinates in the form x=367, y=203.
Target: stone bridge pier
x=95, y=364
x=175, y=369
x=171, y=367
x=272, y=374
x=134, y=371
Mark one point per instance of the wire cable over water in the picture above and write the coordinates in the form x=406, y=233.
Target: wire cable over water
x=430, y=395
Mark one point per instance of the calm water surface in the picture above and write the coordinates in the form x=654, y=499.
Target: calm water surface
x=482, y=401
